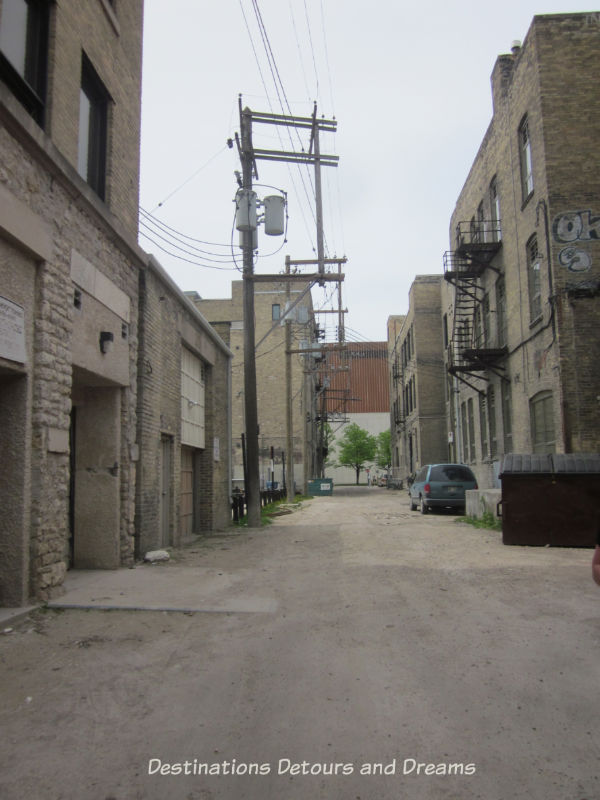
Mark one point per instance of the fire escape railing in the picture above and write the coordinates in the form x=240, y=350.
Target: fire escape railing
x=476, y=246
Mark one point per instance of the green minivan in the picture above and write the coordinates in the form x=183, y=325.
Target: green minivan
x=441, y=486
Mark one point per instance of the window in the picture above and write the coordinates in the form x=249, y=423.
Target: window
x=506, y=393
x=533, y=280
x=483, y=426
x=495, y=206
x=275, y=311
x=473, y=230
x=478, y=338
x=93, y=125
x=491, y=408
x=501, y=322
x=481, y=231
x=465, y=435
x=486, y=319
x=541, y=413
x=526, y=161
x=23, y=52
x=445, y=330
x=471, y=420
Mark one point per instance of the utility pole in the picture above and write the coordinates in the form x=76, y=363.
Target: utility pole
x=252, y=486
x=318, y=194
x=289, y=414
x=248, y=157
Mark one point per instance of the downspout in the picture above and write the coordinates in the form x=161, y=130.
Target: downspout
x=229, y=430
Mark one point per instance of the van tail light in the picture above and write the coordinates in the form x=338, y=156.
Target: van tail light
x=476, y=487
x=427, y=488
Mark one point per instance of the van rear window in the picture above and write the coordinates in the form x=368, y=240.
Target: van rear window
x=451, y=472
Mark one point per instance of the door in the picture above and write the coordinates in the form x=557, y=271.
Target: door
x=165, y=491
x=186, y=504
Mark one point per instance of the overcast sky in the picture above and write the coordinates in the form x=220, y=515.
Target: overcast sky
x=409, y=85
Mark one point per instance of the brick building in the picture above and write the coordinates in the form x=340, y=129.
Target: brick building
x=184, y=436
x=226, y=315
x=520, y=300
x=70, y=77
x=357, y=392
x=417, y=407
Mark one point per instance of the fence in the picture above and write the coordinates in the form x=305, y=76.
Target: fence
x=267, y=496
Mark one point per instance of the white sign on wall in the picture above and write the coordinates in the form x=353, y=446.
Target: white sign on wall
x=12, y=331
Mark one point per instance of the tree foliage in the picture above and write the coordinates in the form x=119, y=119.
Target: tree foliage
x=355, y=448
x=384, y=450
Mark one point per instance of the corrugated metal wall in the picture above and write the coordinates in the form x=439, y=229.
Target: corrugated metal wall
x=364, y=387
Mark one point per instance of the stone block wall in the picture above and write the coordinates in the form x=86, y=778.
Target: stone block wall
x=417, y=362
x=111, y=38
x=270, y=373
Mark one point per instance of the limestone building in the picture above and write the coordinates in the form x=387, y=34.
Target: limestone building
x=520, y=301
x=79, y=304
x=226, y=315
x=70, y=77
x=417, y=407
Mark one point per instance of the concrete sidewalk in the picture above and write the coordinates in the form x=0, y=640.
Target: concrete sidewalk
x=163, y=587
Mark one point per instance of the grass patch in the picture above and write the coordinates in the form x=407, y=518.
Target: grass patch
x=488, y=521
x=274, y=509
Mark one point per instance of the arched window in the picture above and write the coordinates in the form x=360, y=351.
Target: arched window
x=495, y=207
x=526, y=159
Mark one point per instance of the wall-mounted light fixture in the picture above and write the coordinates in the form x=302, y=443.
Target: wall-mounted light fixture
x=107, y=341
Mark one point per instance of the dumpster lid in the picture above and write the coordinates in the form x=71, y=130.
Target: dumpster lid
x=550, y=463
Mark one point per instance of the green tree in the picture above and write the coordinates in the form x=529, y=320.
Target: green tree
x=355, y=448
x=383, y=457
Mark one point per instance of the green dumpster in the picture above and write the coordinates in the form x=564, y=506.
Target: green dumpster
x=320, y=487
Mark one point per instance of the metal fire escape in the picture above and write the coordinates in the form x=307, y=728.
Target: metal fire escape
x=469, y=350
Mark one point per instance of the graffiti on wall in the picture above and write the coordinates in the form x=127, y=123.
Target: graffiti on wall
x=573, y=227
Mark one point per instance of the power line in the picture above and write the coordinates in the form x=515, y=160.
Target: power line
x=195, y=262
x=192, y=176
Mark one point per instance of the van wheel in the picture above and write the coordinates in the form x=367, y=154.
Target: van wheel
x=422, y=506
x=413, y=505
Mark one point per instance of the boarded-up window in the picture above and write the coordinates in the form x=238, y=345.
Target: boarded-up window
x=192, y=400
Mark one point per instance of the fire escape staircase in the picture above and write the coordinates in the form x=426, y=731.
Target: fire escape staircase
x=476, y=247
x=397, y=408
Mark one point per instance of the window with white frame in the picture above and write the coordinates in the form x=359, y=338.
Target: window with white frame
x=495, y=207
x=526, y=159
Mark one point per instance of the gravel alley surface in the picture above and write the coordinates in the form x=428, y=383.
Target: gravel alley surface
x=372, y=654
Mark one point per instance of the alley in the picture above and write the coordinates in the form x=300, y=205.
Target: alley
x=352, y=650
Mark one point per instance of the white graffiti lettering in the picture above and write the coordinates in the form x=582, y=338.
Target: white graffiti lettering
x=575, y=260
x=574, y=226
